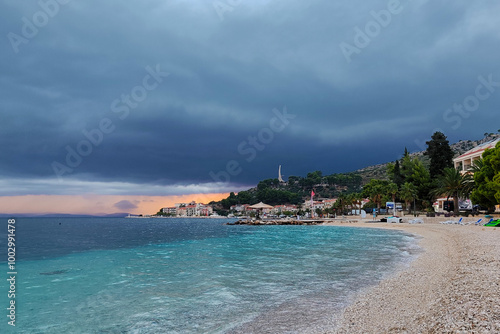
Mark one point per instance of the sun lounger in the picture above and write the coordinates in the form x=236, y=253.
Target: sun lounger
x=478, y=222
x=416, y=221
x=488, y=222
x=494, y=223
x=454, y=221
x=394, y=220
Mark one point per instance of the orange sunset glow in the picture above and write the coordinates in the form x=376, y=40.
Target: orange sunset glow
x=96, y=204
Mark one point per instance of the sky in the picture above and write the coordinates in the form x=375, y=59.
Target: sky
x=127, y=106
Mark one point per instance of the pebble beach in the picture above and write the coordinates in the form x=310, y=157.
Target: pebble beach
x=452, y=287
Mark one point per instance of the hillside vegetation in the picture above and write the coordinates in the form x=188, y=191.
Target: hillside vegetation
x=380, y=171
x=297, y=188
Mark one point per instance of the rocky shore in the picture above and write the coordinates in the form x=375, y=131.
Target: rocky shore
x=277, y=222
x=319, y=221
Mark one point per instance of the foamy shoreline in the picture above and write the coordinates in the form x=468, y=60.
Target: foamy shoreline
x=452, y=287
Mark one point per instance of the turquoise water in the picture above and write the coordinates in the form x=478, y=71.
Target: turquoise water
x=194, y=276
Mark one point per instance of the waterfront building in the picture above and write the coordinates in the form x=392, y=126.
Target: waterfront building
x=465, y=161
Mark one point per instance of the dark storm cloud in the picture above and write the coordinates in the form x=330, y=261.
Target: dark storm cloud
x=225, y=78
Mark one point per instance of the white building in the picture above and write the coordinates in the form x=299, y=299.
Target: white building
x=465, y=161
x=192, y=209
x=239, y=207
x=314, y=205
x=279, y=209
x=328, y=203
x=170, y=210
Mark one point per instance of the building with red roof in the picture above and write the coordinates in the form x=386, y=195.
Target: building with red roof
x=465, y=161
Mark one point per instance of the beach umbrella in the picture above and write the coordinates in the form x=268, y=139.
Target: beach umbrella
x=261, y=206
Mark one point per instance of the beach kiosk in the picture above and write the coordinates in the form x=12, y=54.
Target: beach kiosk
x=261, y=207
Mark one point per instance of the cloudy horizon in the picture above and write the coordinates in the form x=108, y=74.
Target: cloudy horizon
x=178, y=98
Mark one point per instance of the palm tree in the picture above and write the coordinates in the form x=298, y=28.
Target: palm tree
x=376, y=195
x=350, y=201
x=357, y=200
x=476, y=165
x=392, y=189
x=408, y=193
x=375, y=190
x=454, y=184
x=341, y=200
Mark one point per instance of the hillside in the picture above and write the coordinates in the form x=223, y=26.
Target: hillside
x=380, y=171
x=297, y=188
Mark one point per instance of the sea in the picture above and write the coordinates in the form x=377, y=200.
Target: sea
x=127, y=275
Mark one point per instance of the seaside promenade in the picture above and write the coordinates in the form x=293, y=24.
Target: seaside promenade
x=452, y=287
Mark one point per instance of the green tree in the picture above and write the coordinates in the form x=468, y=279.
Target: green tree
x=356, y=199
x=340, y=204
x=375, y=190
x=392, y=190
x=454, y=184
x=245, y=197
x=422, y=181
x=408, y=193
x=487, y=179
x=313, y=179
x=407, y=164
x=477, y=165
x=440, y=154
x=414, y=172
x=329, y=210
x=394, y=172
x=319, y=212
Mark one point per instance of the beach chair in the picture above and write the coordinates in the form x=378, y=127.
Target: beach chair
x=446, y=222
x=478, y=222
x=416, y=221
x=489, y=222
x=453, y=221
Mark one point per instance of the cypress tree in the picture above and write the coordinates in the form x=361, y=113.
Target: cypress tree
x=440, y=154
x=397, y=176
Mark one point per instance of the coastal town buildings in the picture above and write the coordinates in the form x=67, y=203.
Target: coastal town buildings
x=170, y=211
x=240, y=208
x=441, y=205
x=191, y=209
x=328, y=203
x=314, y=205
x=280, y=209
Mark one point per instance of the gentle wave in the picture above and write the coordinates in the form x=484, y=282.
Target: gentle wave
x=212, y=279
